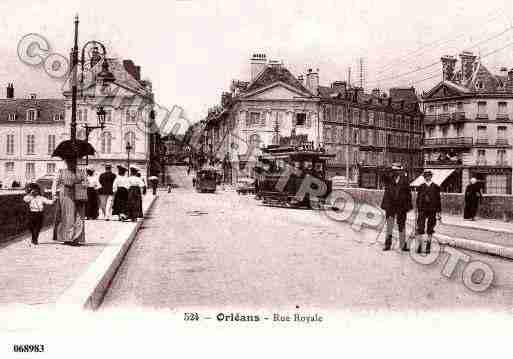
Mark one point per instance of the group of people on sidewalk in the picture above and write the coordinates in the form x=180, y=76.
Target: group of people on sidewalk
x=105, y=197
x=397, y=202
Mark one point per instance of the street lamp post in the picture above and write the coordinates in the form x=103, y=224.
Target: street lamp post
x=100, y=114
x=74, y=65
x=128, y=148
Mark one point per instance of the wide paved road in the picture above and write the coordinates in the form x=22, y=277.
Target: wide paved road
x=227, y=251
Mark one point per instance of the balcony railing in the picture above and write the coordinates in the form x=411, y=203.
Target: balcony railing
x=448, y=142
x=481, y=141
x=482, y=116
x=502, y=163
x=501, y=142
x=481, y=162
x=444, y=162
x=444, y=118
x=502, y=116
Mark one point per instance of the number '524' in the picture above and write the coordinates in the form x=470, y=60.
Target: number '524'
x=191, y=316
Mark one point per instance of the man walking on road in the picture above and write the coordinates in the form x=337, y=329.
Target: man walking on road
x=396, y=203
x=429, y=207
x=105, y=192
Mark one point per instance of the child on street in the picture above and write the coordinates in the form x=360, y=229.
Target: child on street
x=36, y=204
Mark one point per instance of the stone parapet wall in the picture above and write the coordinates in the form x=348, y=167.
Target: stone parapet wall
x=14, y=215
x=492, y=207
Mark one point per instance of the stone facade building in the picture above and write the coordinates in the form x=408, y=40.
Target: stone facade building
x=275, y=105
x=128, y=103
x=468, y=125
x=30, y=129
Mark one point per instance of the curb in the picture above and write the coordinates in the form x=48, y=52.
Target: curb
x=476, y=246
x=88, y=290
x=478, y=228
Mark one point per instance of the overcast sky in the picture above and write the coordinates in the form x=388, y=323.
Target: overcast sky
x=191, y=50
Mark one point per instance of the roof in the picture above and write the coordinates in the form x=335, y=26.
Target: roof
x=46, y=108
x=272, y=74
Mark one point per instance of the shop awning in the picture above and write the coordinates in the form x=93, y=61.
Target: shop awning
x=439, y=176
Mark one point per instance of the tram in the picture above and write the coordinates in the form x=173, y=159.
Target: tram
x=281, y=172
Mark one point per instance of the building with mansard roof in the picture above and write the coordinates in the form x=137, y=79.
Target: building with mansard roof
x=128, y=103
x=363, y=130
x=468, y=127
x=30, y=129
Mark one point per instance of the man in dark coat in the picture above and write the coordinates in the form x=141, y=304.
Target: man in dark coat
x=429, y=207
x=396, y=203
x=472, y=197
x=105, y=192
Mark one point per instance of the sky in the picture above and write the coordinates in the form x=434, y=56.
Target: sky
x=191, y=50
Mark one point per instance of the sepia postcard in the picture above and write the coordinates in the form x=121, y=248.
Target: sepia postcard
x=194, y=178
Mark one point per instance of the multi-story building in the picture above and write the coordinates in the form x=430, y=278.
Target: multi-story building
x=364, y=131
x=128, y=103
x=30, y=129
x=369, y=132
x=468, y=125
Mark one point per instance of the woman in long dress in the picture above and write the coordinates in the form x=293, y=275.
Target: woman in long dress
x=92, y=207
x=472, y=197
x=69, y=214
x=135, y=189
x=120, y=189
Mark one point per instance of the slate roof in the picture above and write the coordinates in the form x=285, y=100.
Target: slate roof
x=46, y=108
x=273, y=74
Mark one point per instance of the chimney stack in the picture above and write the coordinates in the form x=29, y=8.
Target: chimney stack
x=312, y=81
x=10, y=90
x=257, y=62
x=467, y=59
x=448, y=66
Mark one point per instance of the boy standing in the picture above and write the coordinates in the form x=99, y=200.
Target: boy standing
x=36, y=204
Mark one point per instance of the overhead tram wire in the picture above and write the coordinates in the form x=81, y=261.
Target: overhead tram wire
x=390, y=65
x=510, y=28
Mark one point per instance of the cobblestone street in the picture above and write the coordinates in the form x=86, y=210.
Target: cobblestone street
x=224, y=250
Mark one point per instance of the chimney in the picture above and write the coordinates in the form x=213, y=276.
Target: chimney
x=312, y=81
x=376, y=92
x=10, y=90
x=33, y=96
x=467, y=59
x=340, y=86
x=138, y=73
x=226, y=98
x=258, y=62
x=133, y=70
x=448, y=66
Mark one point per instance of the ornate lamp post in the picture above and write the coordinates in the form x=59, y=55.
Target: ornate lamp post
x=100, y=115
x=128, y=148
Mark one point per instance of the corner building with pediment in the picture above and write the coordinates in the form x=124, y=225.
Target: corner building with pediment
x=468, y=126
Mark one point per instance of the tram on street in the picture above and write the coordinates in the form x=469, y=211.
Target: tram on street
x=282, y=170
x=205, y=180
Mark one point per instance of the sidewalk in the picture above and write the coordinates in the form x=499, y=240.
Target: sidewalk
x=41, y=275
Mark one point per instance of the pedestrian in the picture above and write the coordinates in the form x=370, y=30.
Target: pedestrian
x=92, y=195
x=429, y=207
x=154, y=183
x=396, y=202
x=70, y=209
x=36, y=204
x=120, y=189
x=144, y=189
x=135, y=187
x=473, y=196
x=105, y=192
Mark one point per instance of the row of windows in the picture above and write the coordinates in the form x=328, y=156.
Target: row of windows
x=502, y=107
x=481, y=132
x=373, y=118
x=373, y=158
x=105, y=139
x=338, y=134
x=30, y=169
x=258, y=119
x=33, y=114
x=131, y=116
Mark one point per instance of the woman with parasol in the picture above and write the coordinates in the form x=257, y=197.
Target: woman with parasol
x=70, y=185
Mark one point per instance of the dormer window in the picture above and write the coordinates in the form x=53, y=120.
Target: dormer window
x=12, y=117
x=479, y=85
x=31, y=115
